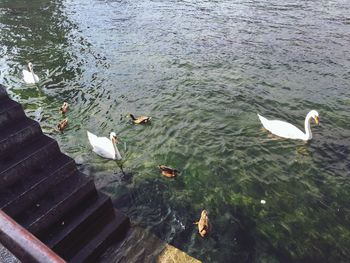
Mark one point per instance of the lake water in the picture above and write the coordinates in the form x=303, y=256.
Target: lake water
x=202, y=70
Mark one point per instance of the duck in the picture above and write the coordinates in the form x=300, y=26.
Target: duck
x=286, y=130
x=167, y=171
x=29, y=76
x=140, y=120
x=204, y=226
x=62, y=125
x=105, y=147
x=64, y=108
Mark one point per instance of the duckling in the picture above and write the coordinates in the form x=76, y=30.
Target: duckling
x=64, y=108
x=204, y=226
x=167, y=171
x=62, y=125
x=140, y=120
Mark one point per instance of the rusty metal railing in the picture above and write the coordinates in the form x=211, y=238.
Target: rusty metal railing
x=23, y=244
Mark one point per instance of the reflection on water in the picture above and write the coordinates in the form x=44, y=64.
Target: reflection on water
x=202, y=70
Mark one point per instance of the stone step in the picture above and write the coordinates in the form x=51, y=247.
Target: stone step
x=10, y=111
x=63, y=201
x=98, y=238
x=35, y=150
x=3, y=93
x=76, y=222
x=42, y=190
x=19, y=132
x=57, y=200
x=32, y=166
x=23, y=205
x=33, y=181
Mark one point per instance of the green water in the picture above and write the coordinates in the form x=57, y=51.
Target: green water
x=202, y=70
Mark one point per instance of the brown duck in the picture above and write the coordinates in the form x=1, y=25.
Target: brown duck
x=62, y=125
x=64, y=108
x=167, y=171
x=140, y=120
x=204, y=226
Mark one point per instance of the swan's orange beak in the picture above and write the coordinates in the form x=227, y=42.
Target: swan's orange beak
x=317, y=120
x=115, y=139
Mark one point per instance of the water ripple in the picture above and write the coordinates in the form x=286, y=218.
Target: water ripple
x=202, y=70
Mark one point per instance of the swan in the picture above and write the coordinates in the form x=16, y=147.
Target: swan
x=287, y=130
x=29, y=76
x=105, y=147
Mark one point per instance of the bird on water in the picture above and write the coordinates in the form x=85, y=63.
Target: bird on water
x=286, y=130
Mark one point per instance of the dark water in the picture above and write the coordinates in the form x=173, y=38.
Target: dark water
x=202, y=70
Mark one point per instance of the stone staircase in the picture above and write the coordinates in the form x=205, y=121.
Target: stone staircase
x=42, y=190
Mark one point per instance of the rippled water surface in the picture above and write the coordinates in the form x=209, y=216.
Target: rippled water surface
x=202, y=70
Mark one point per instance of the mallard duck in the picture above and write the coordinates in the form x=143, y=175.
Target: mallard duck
x=105, y=147
x=287, y=130
x=64, y=108
x=29, y=76
x=204, y=226
x=62, y=125
x=140, y=120
x=167, y=171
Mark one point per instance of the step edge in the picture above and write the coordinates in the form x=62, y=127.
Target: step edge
x=54, y=209
x=32, y=153
x=93, y=248
x=33, y=187
x=83, y=219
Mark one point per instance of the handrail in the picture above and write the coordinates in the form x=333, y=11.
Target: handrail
x=23, y=244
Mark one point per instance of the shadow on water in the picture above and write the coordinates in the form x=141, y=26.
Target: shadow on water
x=239, y=228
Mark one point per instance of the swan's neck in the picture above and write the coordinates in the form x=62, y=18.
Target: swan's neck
x=32, y=71
x=308, y=133
x=116, y=151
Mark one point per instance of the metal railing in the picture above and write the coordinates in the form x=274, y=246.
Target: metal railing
x=23, y=244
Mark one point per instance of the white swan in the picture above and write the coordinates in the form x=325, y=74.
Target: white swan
x=105, y=147
x=29, y=76
x=287, y=130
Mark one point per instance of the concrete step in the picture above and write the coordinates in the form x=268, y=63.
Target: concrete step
x=3, y=93
x=22, y=205
x=33, y=181
x=32, y=166
x=58, y=199
x=33, y=151
x=76, y=222
x=17, y=133
x=42, y=190
x=10, y=111
x=64, y=200
x=98, y=238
